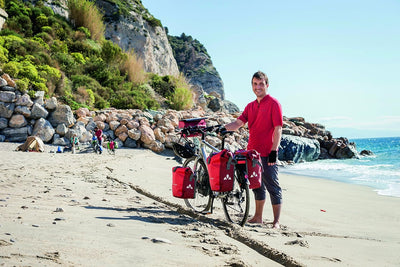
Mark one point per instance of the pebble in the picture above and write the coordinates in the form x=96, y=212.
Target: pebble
x=86, y=198
x=35, y=225
x=59, y=219
x=111, y=225
x=59, y=210
x=160, y=240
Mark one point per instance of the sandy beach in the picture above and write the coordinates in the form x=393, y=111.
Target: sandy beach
x=118, y=210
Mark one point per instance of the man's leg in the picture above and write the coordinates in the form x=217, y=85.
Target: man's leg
x=276, y=209
x=257, y=218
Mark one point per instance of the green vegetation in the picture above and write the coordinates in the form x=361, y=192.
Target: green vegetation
x=42, y=51
x=184, y=47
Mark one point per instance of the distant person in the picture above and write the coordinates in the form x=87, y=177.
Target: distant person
x=74, y=142
x=265, y=120
x=99, y=135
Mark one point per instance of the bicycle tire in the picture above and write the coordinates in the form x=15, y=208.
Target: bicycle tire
x=202, y=200
x=236, y=203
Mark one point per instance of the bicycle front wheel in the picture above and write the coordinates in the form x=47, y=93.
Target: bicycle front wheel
x=202, y=197
x=236, y=203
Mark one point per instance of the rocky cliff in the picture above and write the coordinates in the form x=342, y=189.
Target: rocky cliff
x=135, y=28
x=195, y=63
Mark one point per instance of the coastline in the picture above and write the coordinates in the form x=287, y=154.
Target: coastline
x=119, y=210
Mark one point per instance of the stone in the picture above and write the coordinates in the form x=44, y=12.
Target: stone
x=298, y=149
x=147, y=134
x=43, y=129
x=134, y=134
x=160, y=136
x=17, y=121
x=61, y=129
x=38, y=111
x=16, y=134
x=62, y=114
x=6, y=109
x=8, y=97
x=24, y=110
x=7, y=78
x=122, y=136
x=24, y=100
x=114, y=125
x=3, y=123
x=51, y=104
x=155, y=146
x=131, y=143
x=3, y=82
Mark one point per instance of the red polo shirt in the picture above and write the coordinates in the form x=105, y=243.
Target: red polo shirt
x=262, y=118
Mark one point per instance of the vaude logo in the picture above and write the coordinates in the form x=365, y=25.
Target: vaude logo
x=189, y=187
x=227, y=177
x=254, y=174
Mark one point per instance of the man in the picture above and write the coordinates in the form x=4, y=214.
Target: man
x=264, y=118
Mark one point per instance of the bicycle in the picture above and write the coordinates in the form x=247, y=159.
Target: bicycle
x=96, y=146
x=235, y=203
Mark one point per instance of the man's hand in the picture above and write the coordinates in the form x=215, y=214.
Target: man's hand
x=272, y=157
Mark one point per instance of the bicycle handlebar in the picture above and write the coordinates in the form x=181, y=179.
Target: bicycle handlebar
x=203, y=130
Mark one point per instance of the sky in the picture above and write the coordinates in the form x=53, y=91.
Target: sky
x=336, y=63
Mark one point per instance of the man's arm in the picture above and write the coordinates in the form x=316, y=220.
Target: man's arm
x=277, y=137
x=233, y=126
x=272, y=157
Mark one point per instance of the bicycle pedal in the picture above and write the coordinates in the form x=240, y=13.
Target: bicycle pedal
x=206, y=212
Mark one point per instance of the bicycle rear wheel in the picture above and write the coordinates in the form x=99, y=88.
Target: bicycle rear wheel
x=202, y=197
x=236, y=203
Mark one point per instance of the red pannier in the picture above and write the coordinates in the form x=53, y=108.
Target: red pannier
x=182, y=182
x=253, y=167
x=221, y=170
x=194, y=122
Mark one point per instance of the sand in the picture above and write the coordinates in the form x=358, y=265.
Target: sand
x=85, y=209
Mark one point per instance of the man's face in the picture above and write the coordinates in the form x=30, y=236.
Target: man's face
x=259, y=87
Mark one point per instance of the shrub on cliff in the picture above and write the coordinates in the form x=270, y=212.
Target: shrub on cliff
x=85, y=13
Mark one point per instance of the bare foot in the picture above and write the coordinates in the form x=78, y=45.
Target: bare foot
x=276, y=225
x=255, y=220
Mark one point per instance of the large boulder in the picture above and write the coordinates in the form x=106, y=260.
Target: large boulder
x=62, y=114
x=6, y=109
x=16, y=134
x=38, y=111
x=43, y=129
x=298, y=149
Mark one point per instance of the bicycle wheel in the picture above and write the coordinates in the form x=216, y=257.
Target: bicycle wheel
x=202, y=197
x=236, y=203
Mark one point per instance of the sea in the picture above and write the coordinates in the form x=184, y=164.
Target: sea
x=381, y=172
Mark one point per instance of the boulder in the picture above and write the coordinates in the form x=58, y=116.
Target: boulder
x=7, y=96
x=24, y=110
x=51, y=104
x=298, y=149
x=366, y=153
x=62, y=114
x=347, y=152
x=134, y=134
x=61, y=129
x=24, y=100
x=147, y=134
x=17, y=121
x=10, y=82
x=129, y=142
x=38, y=111
x=3, y=123
x=43, y=129
x=16, y=134
x=6, y=110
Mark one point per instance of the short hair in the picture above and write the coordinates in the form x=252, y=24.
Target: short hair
x=260, y=75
